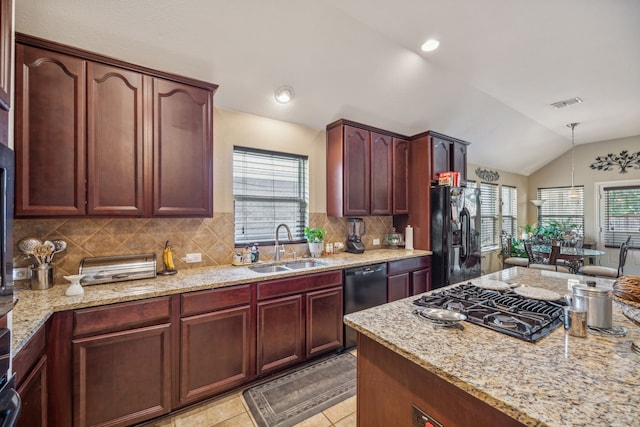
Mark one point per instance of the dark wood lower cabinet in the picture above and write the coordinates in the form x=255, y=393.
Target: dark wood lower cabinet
x=397, y=287
x=408, y=277
x=123, y=377
x=33, y=393
x=215, y=352
x=126, y=363
x=324, y=321
x=420, y=281
x=280, y=333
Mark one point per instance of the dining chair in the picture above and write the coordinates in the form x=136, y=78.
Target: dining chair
x=597, y=270
x=573, y=264
x=505, y=253
x=551, y=264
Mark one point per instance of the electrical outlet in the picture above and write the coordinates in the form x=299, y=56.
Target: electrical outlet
x=376, y=242
x=197, y=257
x=21, y=273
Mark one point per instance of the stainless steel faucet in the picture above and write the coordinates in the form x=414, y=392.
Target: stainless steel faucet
x=276, y=255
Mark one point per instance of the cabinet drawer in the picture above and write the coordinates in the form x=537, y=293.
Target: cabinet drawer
x=29, y=355
x=215, y=299
x=293, y=285
x=121, y=316
x=408, y=264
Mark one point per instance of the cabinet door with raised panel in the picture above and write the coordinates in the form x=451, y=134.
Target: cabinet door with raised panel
x=49, y=133
x=324, y=321
x=215, y=352
x=280, y=333
x=115, y=141
x=356, y=171
x=123, y=377
x=440, y=157
x=33, y=393
x=182, y=150
x=460, y=161
x=381, y=174
x=420, y=281
x=397, y=287
x=6, y=39
x=400, y=176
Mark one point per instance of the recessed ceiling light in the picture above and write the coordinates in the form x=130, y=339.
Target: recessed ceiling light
x=284, y=94
x=430, y=45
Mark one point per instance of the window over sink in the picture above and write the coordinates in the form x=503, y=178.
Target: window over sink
x=269, y=188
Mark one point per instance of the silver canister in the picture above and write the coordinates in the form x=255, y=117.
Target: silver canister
x=595, y=300
x=42, y=276
x=575, y=321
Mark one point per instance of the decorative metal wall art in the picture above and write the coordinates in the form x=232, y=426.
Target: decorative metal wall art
x=624, y=161
x=487, y=175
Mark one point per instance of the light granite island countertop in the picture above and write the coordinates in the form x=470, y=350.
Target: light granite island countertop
x=560, y=380
x=33, y=308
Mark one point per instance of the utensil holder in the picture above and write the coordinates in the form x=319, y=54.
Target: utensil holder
x=42, y=276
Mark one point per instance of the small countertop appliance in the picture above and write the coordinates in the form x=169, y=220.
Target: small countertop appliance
x=354, y=241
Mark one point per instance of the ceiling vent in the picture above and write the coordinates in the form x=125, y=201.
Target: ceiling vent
x=566, y=103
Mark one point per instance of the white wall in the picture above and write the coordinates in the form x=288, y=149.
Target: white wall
x=558, y=173
x=233, y=128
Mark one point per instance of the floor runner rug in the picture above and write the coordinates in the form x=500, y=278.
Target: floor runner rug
x=294, y=397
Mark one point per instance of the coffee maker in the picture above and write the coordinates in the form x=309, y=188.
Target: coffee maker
x=354, y=242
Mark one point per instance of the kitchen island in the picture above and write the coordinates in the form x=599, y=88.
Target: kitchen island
x=477, y=376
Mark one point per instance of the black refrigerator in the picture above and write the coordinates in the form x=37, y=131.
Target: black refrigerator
x=455, y=235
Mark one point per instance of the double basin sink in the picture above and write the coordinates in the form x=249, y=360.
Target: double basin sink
x=286, y=266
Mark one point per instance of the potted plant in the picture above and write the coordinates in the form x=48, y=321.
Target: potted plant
x=315, y=238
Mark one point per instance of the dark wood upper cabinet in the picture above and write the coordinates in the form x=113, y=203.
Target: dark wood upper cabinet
x=400, y=176
x=381, y=174
x=356, y=171
x=360, y=170
x=440, y=157
x=115, y=141
x=49, y=133
x=459, y=160
x=6, y=40
x=183, y=150
x=448, y=154
x=146, y=137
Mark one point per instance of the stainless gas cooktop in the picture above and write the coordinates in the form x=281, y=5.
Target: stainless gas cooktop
x=501, y=310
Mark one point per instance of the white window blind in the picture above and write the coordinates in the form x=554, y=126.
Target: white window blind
x=510, y=210
x=622, y=215
x=557, y=208
x=489, y=209
x=269, y=188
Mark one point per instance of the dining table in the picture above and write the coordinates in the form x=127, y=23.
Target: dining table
x=574, y=256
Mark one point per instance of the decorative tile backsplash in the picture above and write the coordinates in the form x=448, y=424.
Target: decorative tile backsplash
x=212, y=237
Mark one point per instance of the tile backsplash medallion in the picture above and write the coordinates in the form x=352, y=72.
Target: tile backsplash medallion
x=212, y=237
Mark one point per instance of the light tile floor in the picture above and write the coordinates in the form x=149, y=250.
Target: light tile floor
x=232, y=411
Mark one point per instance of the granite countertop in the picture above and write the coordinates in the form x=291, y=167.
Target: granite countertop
x=35, y=307
x=559, y=381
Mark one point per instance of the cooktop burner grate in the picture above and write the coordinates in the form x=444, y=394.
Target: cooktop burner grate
x=503, y=311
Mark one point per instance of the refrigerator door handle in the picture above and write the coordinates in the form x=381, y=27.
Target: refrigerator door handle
x=465, y=227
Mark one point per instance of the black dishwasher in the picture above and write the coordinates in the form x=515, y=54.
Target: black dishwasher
x=364, y=287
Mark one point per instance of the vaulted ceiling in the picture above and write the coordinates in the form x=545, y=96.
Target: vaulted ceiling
x=500, y=65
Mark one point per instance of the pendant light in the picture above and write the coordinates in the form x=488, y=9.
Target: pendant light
x=574, y=196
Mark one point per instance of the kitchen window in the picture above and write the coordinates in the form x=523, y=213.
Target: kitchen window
x=558, y=209
x=269, y=188
x=489, y=209
x=510, y=210
x=621, y=217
